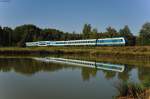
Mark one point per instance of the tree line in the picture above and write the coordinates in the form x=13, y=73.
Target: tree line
x=29, y=33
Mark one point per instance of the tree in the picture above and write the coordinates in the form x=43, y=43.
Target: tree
x=1, y=35
x=51, y=34
x=25, y=33
x=144, y=38
x=126, y=33
x=111, y=32
x=86, y=30
x=7, y=36
x=94, y=34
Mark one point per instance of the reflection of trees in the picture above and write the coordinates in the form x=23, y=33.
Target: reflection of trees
x=26, y=66
x=125, y=74
x=109, y=74
x=144, y=75
x=30, y=67
x=88, y=72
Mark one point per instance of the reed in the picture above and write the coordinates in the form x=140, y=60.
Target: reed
x=132, y=90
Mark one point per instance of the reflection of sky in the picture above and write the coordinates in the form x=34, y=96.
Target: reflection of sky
x=134, y=75
x=70, y=15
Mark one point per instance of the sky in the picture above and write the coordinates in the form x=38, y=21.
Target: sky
x=71, y=15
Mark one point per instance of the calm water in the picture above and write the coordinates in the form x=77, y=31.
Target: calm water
x=24, y=78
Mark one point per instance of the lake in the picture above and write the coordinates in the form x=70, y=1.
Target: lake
x=28, y=78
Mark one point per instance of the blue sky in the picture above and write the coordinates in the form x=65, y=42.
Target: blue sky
x=71, y=15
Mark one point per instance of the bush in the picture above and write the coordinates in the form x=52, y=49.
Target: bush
x=133, y=90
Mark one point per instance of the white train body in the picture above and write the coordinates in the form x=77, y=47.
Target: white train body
x=87, y=42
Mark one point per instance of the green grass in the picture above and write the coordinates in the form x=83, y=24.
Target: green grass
x=133, y=49
x=126, y=51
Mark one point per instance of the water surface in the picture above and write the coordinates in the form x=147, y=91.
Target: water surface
x=25, y=78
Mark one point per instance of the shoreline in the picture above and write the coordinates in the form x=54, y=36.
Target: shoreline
x=131, y=55
x=124, y=51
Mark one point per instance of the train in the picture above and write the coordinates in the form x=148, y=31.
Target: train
x=85, y=42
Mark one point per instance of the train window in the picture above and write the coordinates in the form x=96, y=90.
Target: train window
x=91, y=42
x=42, y=44
x=109, y=41
x=118, y=40
x=100, y=41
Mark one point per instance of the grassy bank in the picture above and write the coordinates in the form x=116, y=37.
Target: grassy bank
x=127, y=51
x=133, y=55
x=132, y=90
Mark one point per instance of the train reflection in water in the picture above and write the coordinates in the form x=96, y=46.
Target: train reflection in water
x=82, y=63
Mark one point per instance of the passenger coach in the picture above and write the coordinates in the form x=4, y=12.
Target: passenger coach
x=86, y=42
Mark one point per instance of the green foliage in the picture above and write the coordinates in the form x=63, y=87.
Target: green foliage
x=111, y=32
x=126, y=33
x=50, y=34
x=127, y=89
x=30, y=33
x=87, y=30
x=1, y=36
x=25, y=33
x=93, y=34
x=6, y=36
x=144, y=38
